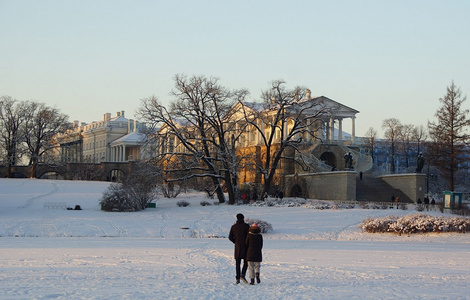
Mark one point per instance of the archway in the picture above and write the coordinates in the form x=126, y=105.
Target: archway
x=51, y=175
x=296, y=191
x=329, y=159
x=117, y=175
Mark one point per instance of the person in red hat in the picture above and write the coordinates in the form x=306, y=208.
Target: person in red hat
x=254, y=244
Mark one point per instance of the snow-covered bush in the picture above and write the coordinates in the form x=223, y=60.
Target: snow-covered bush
x=305, y=203
x=182, y=203
x=136, y=191
x=462, y=211
x=263, y=225
x=205, y=203
x=115, y=198
x=418, y=223
x=170, y=190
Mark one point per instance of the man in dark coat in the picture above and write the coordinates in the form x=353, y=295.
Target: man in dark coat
x=237, y=235
x=254, y=244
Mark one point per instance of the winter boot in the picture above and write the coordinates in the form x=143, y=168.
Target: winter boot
x=257, y=278
x=238, y=281
x=243, y=279
x=252, y=281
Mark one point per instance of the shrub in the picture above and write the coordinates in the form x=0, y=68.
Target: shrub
x=403, y=206
x=182, y=203
x=169, y=190
x=115, y=198
x=419, y=223
x=464, y=210
x=263, y=225
x=135, y=192
x=205, y=203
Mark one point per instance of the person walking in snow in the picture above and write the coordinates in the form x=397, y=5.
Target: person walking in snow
x=237, y=235
x=254, y=244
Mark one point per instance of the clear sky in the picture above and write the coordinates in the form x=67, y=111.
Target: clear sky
x=384, y=58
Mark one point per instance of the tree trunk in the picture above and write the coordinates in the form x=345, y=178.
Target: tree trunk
x=219, y=191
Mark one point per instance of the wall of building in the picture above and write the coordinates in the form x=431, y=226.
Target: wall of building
x=339, y=185
x=412, y=185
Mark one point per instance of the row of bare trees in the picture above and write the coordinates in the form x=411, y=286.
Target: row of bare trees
x=447, y=139
x=208, y=120
x=27, y=129
x=402, y=138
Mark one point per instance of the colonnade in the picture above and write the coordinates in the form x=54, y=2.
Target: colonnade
x=330, y=129
x=118, y=153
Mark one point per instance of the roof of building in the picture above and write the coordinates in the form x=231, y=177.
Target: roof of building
x=133, y=138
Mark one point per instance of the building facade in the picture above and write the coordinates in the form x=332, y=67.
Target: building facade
x=112, y=139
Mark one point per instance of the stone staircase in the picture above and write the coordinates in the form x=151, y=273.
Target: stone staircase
x=373, y=189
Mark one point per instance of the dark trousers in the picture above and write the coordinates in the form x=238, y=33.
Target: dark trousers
x=238, y=261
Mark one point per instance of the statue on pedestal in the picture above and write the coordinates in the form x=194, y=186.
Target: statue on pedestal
x=348, y=161
x=420, y=163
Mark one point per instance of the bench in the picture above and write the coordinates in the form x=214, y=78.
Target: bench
x=55, y=205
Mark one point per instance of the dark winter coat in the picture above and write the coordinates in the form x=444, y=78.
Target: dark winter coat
x=254, y=244
x=237, y=235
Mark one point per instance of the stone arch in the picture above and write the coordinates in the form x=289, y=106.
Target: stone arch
x=51, y=175
x=329, y=158
x=116, y=175
x=296, y=191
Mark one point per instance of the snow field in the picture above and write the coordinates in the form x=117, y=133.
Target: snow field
x=311, y=254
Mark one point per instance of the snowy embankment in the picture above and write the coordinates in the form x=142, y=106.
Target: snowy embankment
x=310, y=254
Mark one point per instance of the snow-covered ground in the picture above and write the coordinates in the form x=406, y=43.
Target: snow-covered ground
x=311, y=254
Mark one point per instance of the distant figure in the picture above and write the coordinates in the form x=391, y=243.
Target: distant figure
x=244, y=197
x=281, y=195
x=397, y=199
x=426, y=202
x=393, y=201
x=254, y=197
x=420, y=163
x=419, y=201
x=360, y=175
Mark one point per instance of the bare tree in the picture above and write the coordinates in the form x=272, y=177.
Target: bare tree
x=196, y=133
x=12, y=117
x=370, y=139
x=392, y=129
x=406, y=142
x=41, y=124
x=449, y=134
x=283, y=121
x=419, y=136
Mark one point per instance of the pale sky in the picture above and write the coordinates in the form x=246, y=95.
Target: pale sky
x=387, y=59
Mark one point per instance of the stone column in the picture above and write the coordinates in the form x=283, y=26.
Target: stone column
x=116, y=153
x=353, y=130
x=332, y=129
x=340, y=130
x=327, y=131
